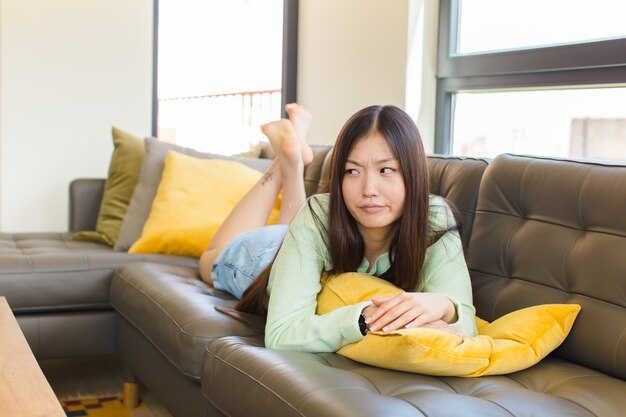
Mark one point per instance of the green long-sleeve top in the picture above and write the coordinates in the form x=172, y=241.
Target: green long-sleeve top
x=295, y=282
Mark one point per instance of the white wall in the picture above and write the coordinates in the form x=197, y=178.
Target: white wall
x=351, y=54
x=355, y=53
x=69, y=69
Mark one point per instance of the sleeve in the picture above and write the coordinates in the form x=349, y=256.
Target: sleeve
x=445, y=271
x=294, y=284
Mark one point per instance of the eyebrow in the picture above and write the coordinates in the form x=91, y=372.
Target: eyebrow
x=380, y=161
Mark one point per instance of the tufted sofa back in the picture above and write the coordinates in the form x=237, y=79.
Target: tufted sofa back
x=554, y=231
x=458, y=180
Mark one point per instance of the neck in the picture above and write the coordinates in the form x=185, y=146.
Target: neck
x=376, y=242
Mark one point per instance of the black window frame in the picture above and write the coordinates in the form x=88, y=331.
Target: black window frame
x=596, y=63
x=289, y=60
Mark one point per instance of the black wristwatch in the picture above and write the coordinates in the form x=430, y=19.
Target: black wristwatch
x=363, y=325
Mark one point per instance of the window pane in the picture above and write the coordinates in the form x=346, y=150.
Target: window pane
x=219, y=75
x=491, y=25
x=581, y=123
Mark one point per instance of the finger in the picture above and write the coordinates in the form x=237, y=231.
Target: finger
x=441, y=325
x=394, y=301
x=437, y=324
x=422, y=320
x=401, y=321
x=383, y=308
x=380, y=300
x=405, y=309
x=396, y=312
x=391, y=310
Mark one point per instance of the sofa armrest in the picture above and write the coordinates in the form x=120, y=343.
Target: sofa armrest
x=85, y=199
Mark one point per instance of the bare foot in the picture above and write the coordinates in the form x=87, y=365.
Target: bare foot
x=301, y=119
x=284, y=141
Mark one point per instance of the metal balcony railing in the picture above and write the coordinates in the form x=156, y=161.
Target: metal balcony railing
x=224, y=123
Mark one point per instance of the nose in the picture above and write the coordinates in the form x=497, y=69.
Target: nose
x=370, y=185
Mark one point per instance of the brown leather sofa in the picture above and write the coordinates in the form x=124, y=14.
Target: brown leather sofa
x=545, y=231
x=58, y=288
x=538, y=230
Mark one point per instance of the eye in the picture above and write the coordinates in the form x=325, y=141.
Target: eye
x=350, y=171
x=387, y=170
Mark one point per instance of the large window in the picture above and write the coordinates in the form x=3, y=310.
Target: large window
x=533, y=77
x=224, y=67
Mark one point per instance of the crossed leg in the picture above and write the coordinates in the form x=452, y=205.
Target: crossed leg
x=287, y=137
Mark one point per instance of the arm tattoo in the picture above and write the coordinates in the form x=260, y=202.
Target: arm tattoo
x=267, y=177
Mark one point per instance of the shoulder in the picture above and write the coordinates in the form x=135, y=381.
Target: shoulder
x=440, y=214
x=314, y=212
x=308, y=231
x=322, y=199
x=316, y=205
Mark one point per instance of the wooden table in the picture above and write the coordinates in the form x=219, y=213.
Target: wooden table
x=24, y=390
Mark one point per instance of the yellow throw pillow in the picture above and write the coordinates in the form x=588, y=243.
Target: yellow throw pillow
x=123, y=176
x=511, y=343
x=193, y=199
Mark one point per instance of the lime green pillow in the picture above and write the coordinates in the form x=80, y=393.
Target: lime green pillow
x=511, y=343
x=123, y=175
x=193, y=199
x=255, y=152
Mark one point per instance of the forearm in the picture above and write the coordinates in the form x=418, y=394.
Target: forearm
x=450, y=315
x=465, y=322
x=307, y=332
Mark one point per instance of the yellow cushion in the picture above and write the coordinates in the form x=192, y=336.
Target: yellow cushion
x=123, y=176
x=193, y=199
x=511, y=343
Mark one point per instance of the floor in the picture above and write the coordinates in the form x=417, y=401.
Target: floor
x=100, y=376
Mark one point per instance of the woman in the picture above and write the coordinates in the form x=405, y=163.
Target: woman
x=377, y=218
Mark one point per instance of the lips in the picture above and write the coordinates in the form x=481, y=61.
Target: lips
x=371, y=208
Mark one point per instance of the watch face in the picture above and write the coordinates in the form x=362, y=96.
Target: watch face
x=362, y=325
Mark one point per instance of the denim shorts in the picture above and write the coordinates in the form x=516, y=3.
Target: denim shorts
x=245, y=257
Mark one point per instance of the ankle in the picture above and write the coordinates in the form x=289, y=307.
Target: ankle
x=291, y=168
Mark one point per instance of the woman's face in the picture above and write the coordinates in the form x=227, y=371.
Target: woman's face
x=373, y=188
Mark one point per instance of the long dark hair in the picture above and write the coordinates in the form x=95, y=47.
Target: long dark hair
x=412, y=233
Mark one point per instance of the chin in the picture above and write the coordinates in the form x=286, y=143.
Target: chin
x=375, y=224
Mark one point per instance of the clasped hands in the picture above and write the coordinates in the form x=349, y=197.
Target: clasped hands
x=410, y=309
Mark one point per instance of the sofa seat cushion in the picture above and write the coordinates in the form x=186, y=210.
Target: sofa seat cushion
x=50, y=272
x=174, y=310
x=243, y=378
